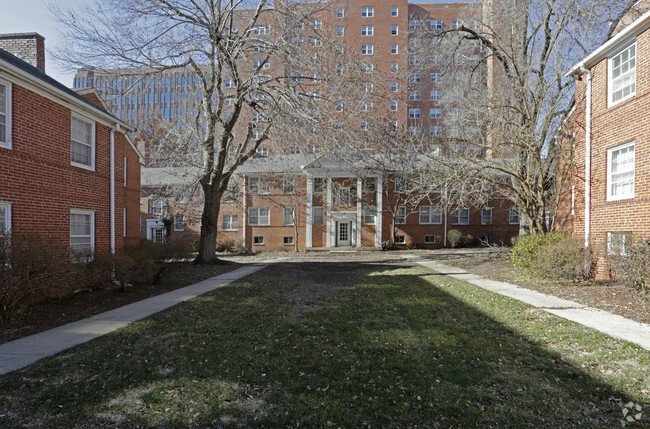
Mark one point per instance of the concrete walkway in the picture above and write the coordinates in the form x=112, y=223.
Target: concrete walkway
x=600, y=320
x=25, y=351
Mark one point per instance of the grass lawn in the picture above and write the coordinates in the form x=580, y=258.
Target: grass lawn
x=337, y=344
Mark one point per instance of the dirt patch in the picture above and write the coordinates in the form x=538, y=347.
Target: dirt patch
x=606, y=295
x=50, y=314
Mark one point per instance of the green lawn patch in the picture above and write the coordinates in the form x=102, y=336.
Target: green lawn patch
x=367, y=345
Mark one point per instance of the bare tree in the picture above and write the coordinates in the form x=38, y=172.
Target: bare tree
x=250, y=73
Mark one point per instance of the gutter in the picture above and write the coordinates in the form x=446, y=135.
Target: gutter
x=588, y=114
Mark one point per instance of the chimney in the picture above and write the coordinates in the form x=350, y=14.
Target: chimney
x=28, y=47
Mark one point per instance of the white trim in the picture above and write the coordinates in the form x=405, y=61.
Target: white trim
x=7, y=219
x=7, y=144
x=512, y=210
x=309, y=213
x=432, y=211
x=458, y=217
x=125, y=170
x=92, y=226
x=629, y=195
x=610, y=76
x=93, y=149
x=482, y=216
x=230, y=217
x=257, y=209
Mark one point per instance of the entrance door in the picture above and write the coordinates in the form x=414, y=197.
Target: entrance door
x=157, y=235
x=343, y=234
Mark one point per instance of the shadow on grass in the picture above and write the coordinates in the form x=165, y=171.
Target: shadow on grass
x=321, y=344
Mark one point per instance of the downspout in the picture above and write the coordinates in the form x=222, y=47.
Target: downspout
x=587, y=162
x=112, y=185
x=444, y=241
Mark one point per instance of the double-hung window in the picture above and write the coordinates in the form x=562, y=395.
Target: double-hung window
x=82, y=148
x=394, y=30
x=436, y=24
x=367, y=12
x=622, y=72
x=317, y=216
x=394, y=48
x=367, y=49
x=400, y=216
x=414, y=114
x=513, y=216
x=393, y=105
x=460, y=217
x=5, y=114
x=394, y=11
x=486, y=216
x=288, y=184
x=369, y=215
x=435, y=113
x=367, y=30
x=82, y=231
x=618, y=243
x=5, y=230
x=179, y=222
x=415, y=95
x=258, y=216
x=257, y=185
x=620, y=172
x=430, y=215
x=287, y=216
x=229, y=222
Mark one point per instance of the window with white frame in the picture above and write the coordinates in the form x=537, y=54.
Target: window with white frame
x=620, y=172
x=288, y=184
x=393, y=105
x=258, y=240
x=435, y=77
x=435, y=113
x=460, y=217
x=393, y=69
x=618, y=242
x=261, y=30
x=316, y=24
x=82, y=231
x=262, y=152
x=82, y=149
x=229, y=82
x=394, y=86
x=179, y=222
x=367, y=30
x=367, y=12
x=430, y=215
x=370, y=184
x=5, y=218
x=340, y=31
x=230, y=222
x=513, y=216
x=414, y=114
x=5, y=114
x=435, y=130
x=156, y=206
x=343, y=197
x=288, y=240
x=264, y=64
x=258, y=216
x=294, y=150
x=394, y=11
x=340, y=12
x=622, y=72
x=436, y=24
x=338, y=106
x=394, y=48
x=317, y=216
x=429, y=239
x=366, y=106
x=367, y=67
x=257, y=134
x=400, y=184
x=394, y=30
x=435, y=95
x=367, y=49
x=415, y=78
x=257, y=185
x=415, y=130
x=486, y=216
x=456, y=23
x=415, y=95
x=287, y=216
x=400, y=215
x=400, y=239
x=369, y=215
x=319, y=185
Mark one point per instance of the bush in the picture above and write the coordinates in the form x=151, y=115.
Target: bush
x=553, y=256
x=633, y=269
x=224, y=246
x=468, y=241
x=455, y=237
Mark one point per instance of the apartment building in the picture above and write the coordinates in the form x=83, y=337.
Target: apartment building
x=609, y=203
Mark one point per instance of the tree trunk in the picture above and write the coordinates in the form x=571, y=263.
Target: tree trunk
x=209, y=222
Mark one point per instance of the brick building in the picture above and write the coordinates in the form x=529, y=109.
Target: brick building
x=609, y=205
x=69, y=170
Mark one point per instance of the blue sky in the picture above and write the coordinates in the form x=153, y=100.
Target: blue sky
x=29, y=16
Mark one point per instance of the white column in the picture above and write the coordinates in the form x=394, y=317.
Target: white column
x=359, y=209
x=380, y=210
x=243, y=217
x=329, y=213
x=308, y=210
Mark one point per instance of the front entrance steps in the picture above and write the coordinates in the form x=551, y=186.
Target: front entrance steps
x=342, y=249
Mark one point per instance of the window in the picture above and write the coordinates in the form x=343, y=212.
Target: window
x=366, y=106
x=622, y=72
x=316, y=24
x=82, y=150
x=316, y=41
x=430, y=215
x=370, y=184
x=367, y=67
x=340, y=12
x=288, y=184
x=393, y=105
x=435, y=113
x=339, y=106
x=340, y=31
x=435, y=131
x=294, y=150
x=367, y=12
x=435, y=95
x=394, y=48
x=5, y=230
x=229, y=222
x=82, y=231
x=429, y=239
x=460, y=217
x=367, y=49
x=620, y=172
x=261, y=63
x=343, y=197
x=394, y=87
x=257, y=134
x=394, y=30
x=394, y=11
x=618, y=243
x=319, y=185
x=258, y=240
x=414, y=114
x=414, y=24
x=415, y=78
x=436, y=24
x=179, y=222
x=256, y=185
x=400, y=216
x=261, y=29
x=5, y=115
x=156, y=206
x=258, y=216
x=262, y=152
x=434, y=77
x=486, y=217
x=415, y=131
x=513, y=216
x=400, y=239
x=318, y=217
x=367, y=87
x=230, y=83
x=287, y=240
x=367, y=30
x=287, y=216
x=415, y=95
x=393, y=68
x=369, y=215
x=456, y=23
x=400, y=184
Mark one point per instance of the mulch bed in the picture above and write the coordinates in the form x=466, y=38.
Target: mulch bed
x=49, y=314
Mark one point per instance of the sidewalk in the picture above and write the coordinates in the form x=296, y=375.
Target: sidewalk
x=600, y=320
x=25, y=351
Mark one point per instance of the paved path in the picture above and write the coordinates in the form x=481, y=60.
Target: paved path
x=25, y=351
x=603, y=321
